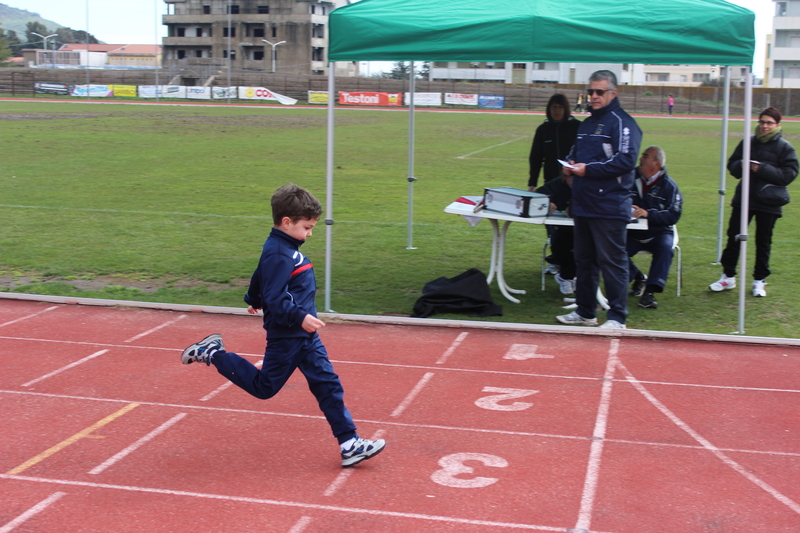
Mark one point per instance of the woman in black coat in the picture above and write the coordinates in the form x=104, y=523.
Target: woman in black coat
x=773, y=162
x=553, y=140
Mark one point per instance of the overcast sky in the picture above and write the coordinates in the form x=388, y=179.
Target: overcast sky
x=139, y=21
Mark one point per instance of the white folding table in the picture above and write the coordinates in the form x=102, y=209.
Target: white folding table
x=499, y=238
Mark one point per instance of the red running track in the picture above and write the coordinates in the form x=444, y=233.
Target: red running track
x=103, y=430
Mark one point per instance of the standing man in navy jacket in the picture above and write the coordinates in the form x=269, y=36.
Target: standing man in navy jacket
x=603, y=161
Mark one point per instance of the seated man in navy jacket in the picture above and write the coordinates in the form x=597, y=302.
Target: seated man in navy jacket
x=657, y=198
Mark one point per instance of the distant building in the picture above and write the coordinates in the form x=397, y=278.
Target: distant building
x=519, y=73
x=203, y=33
x=688, y=75
x=79, y=55
x=783, y=55
x=572, y=73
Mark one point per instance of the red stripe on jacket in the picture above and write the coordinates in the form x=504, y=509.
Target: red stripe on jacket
x=302, y=269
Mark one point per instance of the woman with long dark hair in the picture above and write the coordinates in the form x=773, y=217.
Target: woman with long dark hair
x=552, y=141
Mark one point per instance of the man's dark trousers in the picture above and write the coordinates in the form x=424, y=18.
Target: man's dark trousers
x=600, y=246
x=661, y=248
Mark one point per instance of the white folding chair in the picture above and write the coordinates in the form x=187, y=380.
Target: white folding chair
x=676, y=248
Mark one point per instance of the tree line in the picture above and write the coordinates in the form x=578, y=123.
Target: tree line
x=11, y=44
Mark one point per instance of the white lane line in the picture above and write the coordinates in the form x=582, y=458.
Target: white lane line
x=138, y=444
x=411, y=395
x=216, y=391
x=394, y=365
x=452, y=348
x=129, y=211
x=385, y=422
x=788, y=502
x=62, y=369
x=109, y=345
x=20, y=319
x=598, y=436
x=390, y=423
x=347, y=472
x=289, y=504
x=224, y=386
x=490, y=147
x=148, y=332
x=36, y=509
x=301, y=525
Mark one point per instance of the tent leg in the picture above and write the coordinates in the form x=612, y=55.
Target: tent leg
x=329, y=186
x=723, y=161
x=748, y=117
x=411, y=178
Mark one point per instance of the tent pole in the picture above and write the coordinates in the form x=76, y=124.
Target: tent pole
x=748, y=117
x=329, y=186
x=411, y=178
x=723, y=160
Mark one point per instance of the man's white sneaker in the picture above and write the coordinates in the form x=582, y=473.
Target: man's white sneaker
x=552, y=269
x=612, y=324
x=575, y=319
x=758, y=288
x=567, y=286
x=724, y=283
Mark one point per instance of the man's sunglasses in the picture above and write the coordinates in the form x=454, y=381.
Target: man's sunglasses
x=600, y=92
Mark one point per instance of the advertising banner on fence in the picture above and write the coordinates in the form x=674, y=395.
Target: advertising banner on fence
x=366, y=98
x=317, y=97
x=262, y=93
x=460, y=99
x=164, y=91
x=223, y=92
x=51, y=88
x=491, y=100
x=198, y=93
x=173, y=91
x=99, y=91
x=425, y=98
x=124, y=90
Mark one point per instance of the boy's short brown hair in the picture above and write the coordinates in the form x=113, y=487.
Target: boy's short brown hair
x=294, y=202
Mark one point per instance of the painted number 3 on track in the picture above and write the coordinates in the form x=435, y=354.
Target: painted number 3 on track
x=453, y=465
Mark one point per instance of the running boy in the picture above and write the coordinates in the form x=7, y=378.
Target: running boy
x=283, y=286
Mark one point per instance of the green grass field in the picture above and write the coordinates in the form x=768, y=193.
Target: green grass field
x=171, y=204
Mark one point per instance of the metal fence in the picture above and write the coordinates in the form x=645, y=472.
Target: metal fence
x=634, y=99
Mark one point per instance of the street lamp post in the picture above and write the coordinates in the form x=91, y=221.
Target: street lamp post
x=45, y=43
x=273, y=51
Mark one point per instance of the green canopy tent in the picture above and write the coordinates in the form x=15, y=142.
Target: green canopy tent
x=617, y=31
x=621, y=31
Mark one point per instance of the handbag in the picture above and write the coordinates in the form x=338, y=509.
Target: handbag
x=773, y=195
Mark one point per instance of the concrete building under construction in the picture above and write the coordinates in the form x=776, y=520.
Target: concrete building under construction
x=282, y=36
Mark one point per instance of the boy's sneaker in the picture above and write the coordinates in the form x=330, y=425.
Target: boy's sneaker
x=648, y=301
x=201, y=352
x=724, y=283
x=612, y=324
x=362, y=449
x=575, y=319
x=758, y=288
x=567, y=286
x=638, y=285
